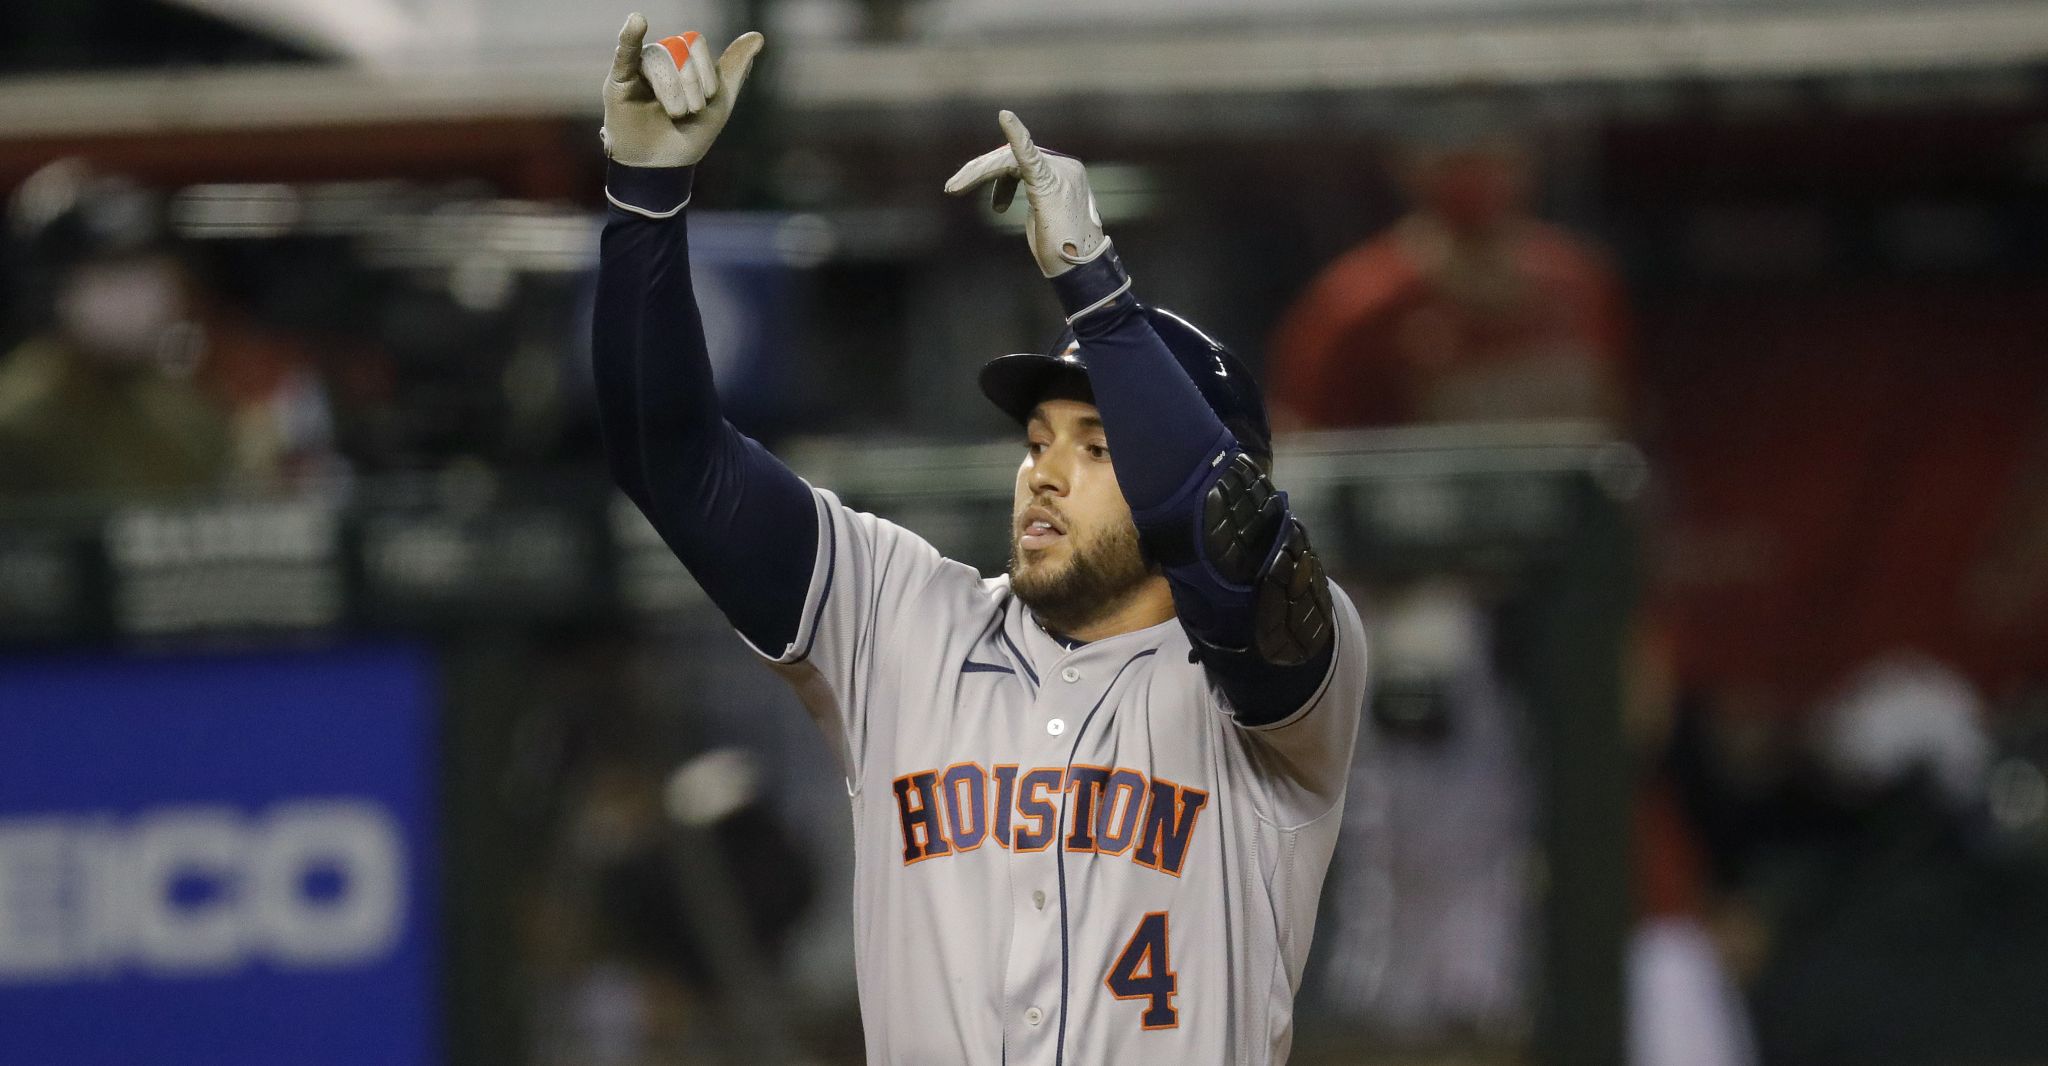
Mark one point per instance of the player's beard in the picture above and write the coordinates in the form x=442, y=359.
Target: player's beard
x=1099, y=576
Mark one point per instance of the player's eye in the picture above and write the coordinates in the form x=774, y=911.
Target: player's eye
x=1098, y=452
x=1035, y=448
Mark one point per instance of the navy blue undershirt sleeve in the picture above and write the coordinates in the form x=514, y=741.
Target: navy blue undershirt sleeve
x=1162, y=435
x=741, y=521
x=1165, y=443
x=1261, y=693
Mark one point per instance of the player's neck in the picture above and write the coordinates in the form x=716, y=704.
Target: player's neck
x=1149, y=605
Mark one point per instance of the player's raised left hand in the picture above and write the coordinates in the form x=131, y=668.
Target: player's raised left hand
x=665, y=103
x=1065, y=230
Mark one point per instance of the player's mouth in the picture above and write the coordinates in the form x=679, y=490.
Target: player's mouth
x=1039, y=528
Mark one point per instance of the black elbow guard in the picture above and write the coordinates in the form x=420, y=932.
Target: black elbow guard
x=1292, y=618
x=1262, y=585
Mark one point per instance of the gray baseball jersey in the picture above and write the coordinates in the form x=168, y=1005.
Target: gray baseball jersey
x=1063, y=856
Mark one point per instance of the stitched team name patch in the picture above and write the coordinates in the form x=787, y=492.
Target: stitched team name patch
x=1112, y=811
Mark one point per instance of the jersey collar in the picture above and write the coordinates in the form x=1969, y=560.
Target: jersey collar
x=1045, y=650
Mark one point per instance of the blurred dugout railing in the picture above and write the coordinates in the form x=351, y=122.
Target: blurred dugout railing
x=482, y=564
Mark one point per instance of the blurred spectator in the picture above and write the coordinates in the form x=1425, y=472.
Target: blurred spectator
x=1904, y=936
x=277, y=399
x=1901, y=717
x=1692, y=942
x=101, y=398
x=135, y=378
x=1427, y=926
x=1468, y=309
x=660, y=902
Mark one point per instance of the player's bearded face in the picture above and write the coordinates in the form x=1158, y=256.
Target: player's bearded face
x=1074, y=554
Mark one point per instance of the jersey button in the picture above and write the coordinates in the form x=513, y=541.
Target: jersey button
x=1070, y=675
x=1056, y=726
x=1038, y=899
x=1033, y=1015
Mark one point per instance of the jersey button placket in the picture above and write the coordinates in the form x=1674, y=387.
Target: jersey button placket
x=1058, y=726
x=1032, y=981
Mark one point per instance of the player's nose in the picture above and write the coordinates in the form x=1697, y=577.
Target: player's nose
x=1051, y=474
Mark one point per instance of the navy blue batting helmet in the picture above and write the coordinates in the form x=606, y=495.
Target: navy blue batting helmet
x=1016, y=383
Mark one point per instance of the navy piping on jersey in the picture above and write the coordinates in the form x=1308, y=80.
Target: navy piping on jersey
x=969, y=666
x=972, y=667
x=1060, y=1049
x=831, y=567
x=1019, y=655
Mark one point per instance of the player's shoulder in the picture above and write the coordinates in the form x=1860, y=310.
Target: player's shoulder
x=898, y=548
x=952, y=603
x=953, y=578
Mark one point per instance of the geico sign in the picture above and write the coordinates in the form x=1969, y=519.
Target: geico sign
x=193, y=891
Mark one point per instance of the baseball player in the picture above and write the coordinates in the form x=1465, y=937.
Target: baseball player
x=1094, y=797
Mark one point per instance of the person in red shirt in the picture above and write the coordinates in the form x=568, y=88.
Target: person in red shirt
x=1467, y=309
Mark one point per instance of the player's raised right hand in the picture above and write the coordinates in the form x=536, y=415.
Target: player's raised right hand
x=668, y=117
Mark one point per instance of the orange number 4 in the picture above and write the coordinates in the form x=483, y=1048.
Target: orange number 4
x=1145, y=972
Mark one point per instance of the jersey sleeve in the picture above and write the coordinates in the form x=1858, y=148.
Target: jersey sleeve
x=1302, y=761
x=873, y=581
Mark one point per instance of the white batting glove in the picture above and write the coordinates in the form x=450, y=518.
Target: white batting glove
x=664, y=103
x=1065, y=229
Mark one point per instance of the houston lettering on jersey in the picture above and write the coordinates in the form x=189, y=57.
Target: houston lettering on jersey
x=1111, y=812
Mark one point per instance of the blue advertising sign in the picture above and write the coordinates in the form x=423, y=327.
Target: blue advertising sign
x=222, y=859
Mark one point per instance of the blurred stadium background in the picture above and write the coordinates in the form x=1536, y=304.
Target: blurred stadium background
x=1668, y=377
